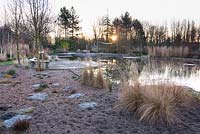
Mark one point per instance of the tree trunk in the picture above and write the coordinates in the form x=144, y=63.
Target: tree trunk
x=65, y=32
x=17, y=43
x=38, y=53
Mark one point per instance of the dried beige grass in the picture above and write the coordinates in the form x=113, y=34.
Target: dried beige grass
x=154, y=103
x=100, y=82
x=87, y=76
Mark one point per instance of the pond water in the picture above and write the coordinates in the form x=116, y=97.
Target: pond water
x=179, y=73
x=161, y=71
x=151, y=71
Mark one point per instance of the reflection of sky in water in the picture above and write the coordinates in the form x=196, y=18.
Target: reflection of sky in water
x=185, y=75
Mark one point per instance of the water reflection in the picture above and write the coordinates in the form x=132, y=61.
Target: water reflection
x=155, y=71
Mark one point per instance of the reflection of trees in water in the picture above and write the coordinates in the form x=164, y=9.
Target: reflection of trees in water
x=170, y=68
x=128, y=68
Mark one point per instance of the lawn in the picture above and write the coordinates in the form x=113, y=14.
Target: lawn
x=4, y=63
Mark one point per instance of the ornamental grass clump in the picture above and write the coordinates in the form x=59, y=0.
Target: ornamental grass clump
x=87, y=76
x=21, y=125
x=99, y=80
x=154, y=104
x=131, y=97
x=158, y=107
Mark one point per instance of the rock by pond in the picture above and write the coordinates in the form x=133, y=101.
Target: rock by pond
x=10, y=122
x=88, y=105
x=77, y=95
x=38, y=96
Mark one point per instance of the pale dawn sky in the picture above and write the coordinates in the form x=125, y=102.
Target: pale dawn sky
x=154, y=11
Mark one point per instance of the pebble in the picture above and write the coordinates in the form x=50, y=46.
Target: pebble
x=87, y=105
x=56, y=84
x=26, y=110
x=36, y=85
x=38, y=96
x=77, y=95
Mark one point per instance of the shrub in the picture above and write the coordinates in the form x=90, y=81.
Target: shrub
x=21, y=125
x=11, y=72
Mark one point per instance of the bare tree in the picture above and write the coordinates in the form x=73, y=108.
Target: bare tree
x=98, y=32
x=38, y=20
x=16, y=21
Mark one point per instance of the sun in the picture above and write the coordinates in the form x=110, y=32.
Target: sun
x=114, y=38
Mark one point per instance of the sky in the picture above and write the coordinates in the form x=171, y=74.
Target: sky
x=154, y=11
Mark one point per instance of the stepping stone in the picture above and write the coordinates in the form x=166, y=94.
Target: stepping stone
x=77, y=95
x=7, y=115
x=36, y=85
x=10, y=122
x=67, y=88
x=26, y=110
x=43, y=74
x=88, y=105
x=56, y=84
x=38, y=96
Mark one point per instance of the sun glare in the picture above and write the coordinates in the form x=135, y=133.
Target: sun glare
x=114, y=38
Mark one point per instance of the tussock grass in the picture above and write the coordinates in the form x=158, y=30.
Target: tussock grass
x=88, y=78
x=100, y=81
x=154, y=104
x=131, y=97
x=21, y=125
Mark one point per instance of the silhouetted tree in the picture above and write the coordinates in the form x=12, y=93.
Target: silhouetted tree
x=126, y=23
x=193, y=32
x=64, y=19
x=16, y=22
x=117, y=24
x=107, y=27
x=74, y=22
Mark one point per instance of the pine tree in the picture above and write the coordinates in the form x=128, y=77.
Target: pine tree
x=64, y=19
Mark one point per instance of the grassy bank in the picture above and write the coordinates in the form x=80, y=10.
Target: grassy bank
x=4, y=63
